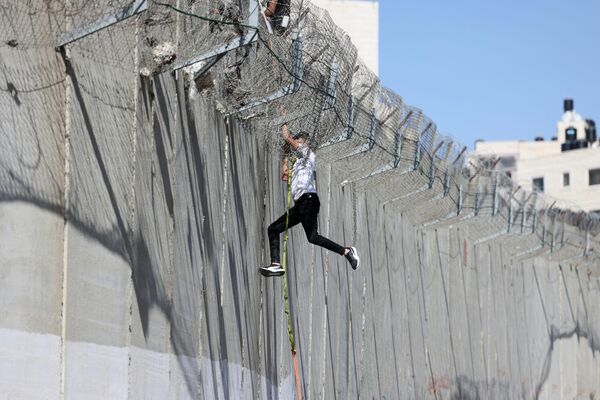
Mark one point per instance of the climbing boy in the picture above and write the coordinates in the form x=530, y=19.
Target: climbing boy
x=306, y=205
x=279, y=13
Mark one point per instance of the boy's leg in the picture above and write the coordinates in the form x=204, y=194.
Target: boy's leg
x=275, y=230
x=309, y=219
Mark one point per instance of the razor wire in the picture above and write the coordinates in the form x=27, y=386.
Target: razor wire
x=308, y=75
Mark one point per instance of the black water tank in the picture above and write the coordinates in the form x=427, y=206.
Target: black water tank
x=579, y=144
x=590, y=131
x=539, y=139
x=569, y=105
x=574, y=145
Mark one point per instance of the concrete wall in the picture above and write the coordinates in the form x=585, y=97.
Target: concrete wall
x=132, y=222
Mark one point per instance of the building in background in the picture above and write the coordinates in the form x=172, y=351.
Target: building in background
x=360, y=19
x=566, y=168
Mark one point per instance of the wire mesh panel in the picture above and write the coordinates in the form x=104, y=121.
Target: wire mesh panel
x=305, y=74
x=32, y=24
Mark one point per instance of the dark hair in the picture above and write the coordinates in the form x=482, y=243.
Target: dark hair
x=302, y=135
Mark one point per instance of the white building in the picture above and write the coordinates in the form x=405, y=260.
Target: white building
x=360, y=19
x=566, y=168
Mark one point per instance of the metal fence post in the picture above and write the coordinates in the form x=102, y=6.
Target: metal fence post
x=459, y=205
x=432, y=164
x=544, y=231
x=417, y=155
x=397, y=147
x=510, y=207
x=350, y=123
x=297, y=68
x=132, y=9
x=332, y=85
x=398, y=139
x=372, y=130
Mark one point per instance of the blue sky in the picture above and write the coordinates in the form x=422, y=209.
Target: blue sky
x=495, y=70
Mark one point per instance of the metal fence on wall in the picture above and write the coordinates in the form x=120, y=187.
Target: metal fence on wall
x=309, y=76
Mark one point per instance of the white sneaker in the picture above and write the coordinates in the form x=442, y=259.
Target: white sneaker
x=353, y=257
x=272, y=270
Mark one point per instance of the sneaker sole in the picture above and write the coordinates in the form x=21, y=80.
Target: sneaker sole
x=267, y=273
x=357, y=258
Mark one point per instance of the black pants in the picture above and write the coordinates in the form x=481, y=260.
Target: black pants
x=304, y=211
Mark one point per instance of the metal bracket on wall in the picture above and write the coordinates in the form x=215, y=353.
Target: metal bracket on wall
x=398, y=139
x=432, y=164
x=247, y=38
x=370, y=137
x=446, y=182
x=418, y=150
x=348, y=131
x=132, y=9
x=478, y=199
x=495, y=196
x=332, y=86
x=510, y=209
x=397, y=147
x=372, y=130
x=291, y=88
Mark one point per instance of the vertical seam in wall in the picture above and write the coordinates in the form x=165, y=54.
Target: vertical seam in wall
x=326, y=308
x=132, y=216
x=224, y=210
x=66, y=183
x=362, y=331
x=560, y=315
x=262, y=282
x=354, y=211
x=171, y=238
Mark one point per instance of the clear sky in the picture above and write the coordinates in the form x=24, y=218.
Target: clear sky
x=493, y=69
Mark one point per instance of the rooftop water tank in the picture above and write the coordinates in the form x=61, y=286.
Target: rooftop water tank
x=569, y=105
x=590, y=131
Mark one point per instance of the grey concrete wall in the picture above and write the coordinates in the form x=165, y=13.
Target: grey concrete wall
x=132, y=222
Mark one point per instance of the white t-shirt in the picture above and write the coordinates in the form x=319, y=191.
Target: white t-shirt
x=303, y=172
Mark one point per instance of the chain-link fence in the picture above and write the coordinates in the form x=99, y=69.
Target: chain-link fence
x=306, y=73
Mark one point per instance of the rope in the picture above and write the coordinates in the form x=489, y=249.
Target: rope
x=284, y=262
x=290, y=329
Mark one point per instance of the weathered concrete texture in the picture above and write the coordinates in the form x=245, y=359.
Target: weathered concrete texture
x=133, y=219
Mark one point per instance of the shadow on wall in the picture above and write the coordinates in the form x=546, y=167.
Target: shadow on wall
x=32, y=171
x=36, y=175
x=469, y=389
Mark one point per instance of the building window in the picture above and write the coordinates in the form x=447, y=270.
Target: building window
x=508, y=162
x=538, y=184
x=571, y=135
x=566, y=179
x=595, y=176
